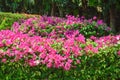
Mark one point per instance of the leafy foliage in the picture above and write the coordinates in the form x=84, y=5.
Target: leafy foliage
x=7, y=19
x=62, y=52
x=47, y=26
x=101, y=65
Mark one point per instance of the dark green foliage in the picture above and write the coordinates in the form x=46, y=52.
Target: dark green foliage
x=93, y=29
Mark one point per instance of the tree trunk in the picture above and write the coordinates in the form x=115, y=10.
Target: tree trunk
x=84, y=4
x=112, y=18
x=53, y=9
x=60, y=9
x=84, y=7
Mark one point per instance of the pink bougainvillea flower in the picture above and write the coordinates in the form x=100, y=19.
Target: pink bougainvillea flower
x=78, y=61
x=94, y=18
x=47, y=41
x=67, y=66
x=1, y=44
x=90, y=48
x=100, y=22
x=42, y=55
x=49, y=65
x=118, y=53
x=37, y=62
x=32, y=62
x=4, y=60
x=80, y=38
x=93, y=37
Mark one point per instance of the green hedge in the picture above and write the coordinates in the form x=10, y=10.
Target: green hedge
x=7, y=19
x=102, y=66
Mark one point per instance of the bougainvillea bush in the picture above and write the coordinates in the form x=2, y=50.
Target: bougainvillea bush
x=57, y=27
x=52, y=48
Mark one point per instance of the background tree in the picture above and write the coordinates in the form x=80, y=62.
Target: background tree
x=87, y=8
x=109, y=7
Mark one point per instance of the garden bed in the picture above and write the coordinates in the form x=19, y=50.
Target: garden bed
x=59, y=48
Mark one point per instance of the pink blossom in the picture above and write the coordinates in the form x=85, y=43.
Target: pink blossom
x=94, y=18
x=76, y=50
x=67, y=66
x=42, y=55
x=1, y=44
x=93, y=38
x=4, y=60
x=118, y=53
x=78, y=61
x=37, y=62
x=91, y=48
x=70, y=60
x=49, y=65
x=41, y=49
x=100, y=22
x=29, y=41
x=32, y=63
x=80, y=38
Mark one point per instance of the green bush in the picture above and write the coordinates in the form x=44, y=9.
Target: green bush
x=95, y=29
x=102, y=66
x=7, y=19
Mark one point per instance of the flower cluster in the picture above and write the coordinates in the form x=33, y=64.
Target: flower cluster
x=55, y=27
x=53, y=52
x=52, y=41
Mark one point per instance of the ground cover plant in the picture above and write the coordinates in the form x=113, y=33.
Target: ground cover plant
x=55, y=48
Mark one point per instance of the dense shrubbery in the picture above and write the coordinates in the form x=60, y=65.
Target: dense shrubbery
x=54, y=48
x=58, y=27
x=7, y=19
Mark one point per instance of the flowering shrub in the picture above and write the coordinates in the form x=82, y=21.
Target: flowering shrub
x=57, y=27
x=35, y=50
x=71, y=53
x=53, y=48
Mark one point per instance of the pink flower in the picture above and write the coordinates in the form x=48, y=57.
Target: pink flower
x=8, y=42
x=93, y=38
x=45, y=60
x=58, y=27
x=49, y=65
x=67, y=66
x=78, y=61
x=37, y=62
x=100, y=22
x=42, y=55
x=69, y=42
x=118, y=53
x=62, y=64
x=80, y=38
x=118, y=37
x=108, y=29
x=83, y=17
x=76, y=50
x=94, y=18
x=90, y=48
x=1, y=44
x=69, y=60
x=57, y=63
x=4, y=60
x=41, y=49
x=31, y=63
